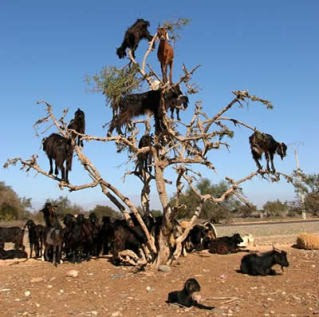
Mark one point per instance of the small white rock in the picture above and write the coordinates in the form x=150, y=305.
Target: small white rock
x=72, y=273
x=27, y=293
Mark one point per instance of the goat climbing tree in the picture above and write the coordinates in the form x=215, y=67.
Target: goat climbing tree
x=181, y=147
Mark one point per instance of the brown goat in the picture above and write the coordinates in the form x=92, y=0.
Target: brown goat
x=165, y=54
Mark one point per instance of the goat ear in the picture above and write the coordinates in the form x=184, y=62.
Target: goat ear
x=167, y=37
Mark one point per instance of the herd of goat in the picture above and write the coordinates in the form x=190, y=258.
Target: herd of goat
x=80, y=238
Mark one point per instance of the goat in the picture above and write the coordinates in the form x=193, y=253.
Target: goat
x=78, y=237
x=177, y=105
x=35, y=234
x=165, y=54
x=12, y=234
x=105, y=236
x=53, y=242
x=198, y=238
x=78, y=124
x=144, y=160
x=12, y=254
x=59, y=149
x=132, y=37
x=261, y=264
x=126, y=236
x=185, y=296
x=49, y=215
x=53, y=234
x=264, y=143
x=134, y=105
x=225, y=245
x=95, y=230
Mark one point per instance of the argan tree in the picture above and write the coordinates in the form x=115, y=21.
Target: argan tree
x=181, y=147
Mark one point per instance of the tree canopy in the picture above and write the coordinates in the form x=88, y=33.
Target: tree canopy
x=12, y=207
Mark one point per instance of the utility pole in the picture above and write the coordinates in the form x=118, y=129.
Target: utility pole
x=300, y=194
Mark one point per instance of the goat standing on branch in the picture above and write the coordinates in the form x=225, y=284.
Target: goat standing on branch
x=78, y=124
x=264, y=143
x=135, y=105
x=59, y=149
x=132, y=37
x=165, y=54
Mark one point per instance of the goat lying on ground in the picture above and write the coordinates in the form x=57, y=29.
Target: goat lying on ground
x=185, y=296
x=135, y=105
x=199, y=238
x=59, y=149
x=261, y=264
x=264, y=143
x=12, y=254
x=165, y=54
x=78, y=124
x=225, y=245
x=132, y=37
x=12, y=234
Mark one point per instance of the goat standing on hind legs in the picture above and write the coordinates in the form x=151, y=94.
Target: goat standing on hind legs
x=133, y=35
x=165, y=54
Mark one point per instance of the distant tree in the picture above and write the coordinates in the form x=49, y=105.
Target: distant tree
x=65, y=206
x=246, y=210
x=275, y=208
x=307, y=185
x=101, y=211
x=156, y=213
x=312, y=203
x=215, y=212
x=12, y=207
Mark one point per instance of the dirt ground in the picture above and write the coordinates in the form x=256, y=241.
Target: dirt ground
x=35, y=288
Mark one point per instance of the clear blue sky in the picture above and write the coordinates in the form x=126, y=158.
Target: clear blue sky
x=270, y=48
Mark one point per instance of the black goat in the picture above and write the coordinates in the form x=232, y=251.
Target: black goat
x=135, y=105
x=261, y=264
x=185, y=296
x=50, y=216
x=12, y=234
x=78, y=237
x=199, y=238
x=12, y=254
x=264, y=143
x=105, y=236
x=144, y=160
x=127, y=236
x=95, y=231
x=225, y=245
x=177, y=105
x=36, y=233
x=59, y=149
x=132, y=37
x=78, y=124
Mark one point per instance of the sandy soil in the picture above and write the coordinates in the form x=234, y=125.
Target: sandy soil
x=35, y=288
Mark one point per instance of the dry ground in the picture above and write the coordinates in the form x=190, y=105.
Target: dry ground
x=35, y=288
